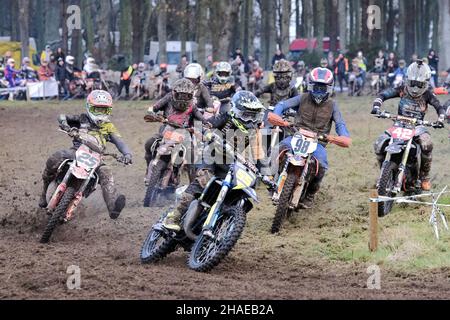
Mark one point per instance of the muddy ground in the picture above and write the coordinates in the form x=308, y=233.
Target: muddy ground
x=261, y=266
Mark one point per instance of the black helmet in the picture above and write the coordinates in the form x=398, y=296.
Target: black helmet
x=182, y=94
x=247, y=111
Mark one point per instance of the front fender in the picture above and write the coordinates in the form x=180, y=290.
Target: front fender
x=395, y=148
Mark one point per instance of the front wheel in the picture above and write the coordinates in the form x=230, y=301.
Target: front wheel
x=385, y=186
x=207, y=252
x=283, y=207
x=151, y=194
x=58, y=215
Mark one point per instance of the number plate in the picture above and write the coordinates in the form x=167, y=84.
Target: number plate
x=401, y=133
x=302, y=145
x=87, y=158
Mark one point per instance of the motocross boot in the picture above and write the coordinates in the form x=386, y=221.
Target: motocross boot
x=46, y=180
x=43, y=199
x=425, y=172
x=173, y=219
x=119, y=204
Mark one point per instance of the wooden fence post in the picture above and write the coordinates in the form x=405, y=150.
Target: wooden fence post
x=373, y=222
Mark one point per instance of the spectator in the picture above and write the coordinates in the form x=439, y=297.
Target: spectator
x=237, y=68
x=8, y=55
x=45, y=73
x=380, y=63
x=248, y=65
x=11, y=74
x=433, y=83
x=60, y=54
x=391, y=63
x=125, y=79
x=182, y=65
x=62, y=78
x=277, y=56
x=27, y=72
x=45, y=55
x=330, y=60
x=238, y=53
x=53, y=63
x=209, y=64
x=341, y=70
x=433, y=60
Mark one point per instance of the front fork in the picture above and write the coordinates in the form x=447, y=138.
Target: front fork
x=214, y=212
x=402, y=167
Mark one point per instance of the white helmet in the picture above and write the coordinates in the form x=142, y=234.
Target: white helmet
x=193, y=71
x=418, y=78
x=11, y=61
x=141, y=66
x=90, y=60
x=70, y=60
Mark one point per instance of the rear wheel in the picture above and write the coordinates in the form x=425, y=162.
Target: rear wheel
x=387, y=181
x=283, y=210
x=207, y=252
x=58, y=215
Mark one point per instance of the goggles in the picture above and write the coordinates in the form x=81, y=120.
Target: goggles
x=417, y=84
x=97, y=111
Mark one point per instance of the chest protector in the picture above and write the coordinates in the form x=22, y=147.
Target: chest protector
x=181, y=118
x=412, y=107
x=314, y=117
x=277, y=95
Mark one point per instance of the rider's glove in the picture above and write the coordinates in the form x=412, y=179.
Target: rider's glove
x=376, y=106
x=127, y=159
x=268, y=181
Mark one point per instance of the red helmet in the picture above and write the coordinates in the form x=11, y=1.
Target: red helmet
x=320, y=84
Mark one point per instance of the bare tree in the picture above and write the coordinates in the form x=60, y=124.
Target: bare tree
x=162, y=30
x=201, y=16
x=285, y=25
x=24, y=6
x=320, y=24
x=342, y=11
x=444, y=35
x=103, y=51
x=125, y=29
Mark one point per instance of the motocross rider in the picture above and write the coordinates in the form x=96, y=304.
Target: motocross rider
x=282, y=88
x=222, y=85
x=194, y=73
x=415, y=96
x=246, y=116
x=316, y=112
x=97, y=121
x=178, y=107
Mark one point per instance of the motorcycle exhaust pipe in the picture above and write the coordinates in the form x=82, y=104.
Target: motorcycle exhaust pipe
x=190, y=218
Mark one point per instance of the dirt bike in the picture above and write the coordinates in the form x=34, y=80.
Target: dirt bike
x=297, y=169
x=214, y=221
x=169, y=155
x=401, y=167
x=82, y=85
x=76, y=178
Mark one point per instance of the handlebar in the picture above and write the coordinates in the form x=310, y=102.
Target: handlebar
x=414, y=121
